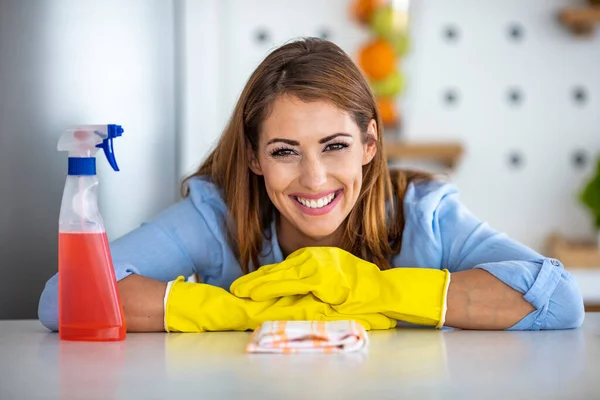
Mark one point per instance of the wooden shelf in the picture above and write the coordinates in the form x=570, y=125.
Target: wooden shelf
x=446, y=153
x=580, y=20
x=574, y=254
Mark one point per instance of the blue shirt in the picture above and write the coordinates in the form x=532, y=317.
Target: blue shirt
x=190, y=237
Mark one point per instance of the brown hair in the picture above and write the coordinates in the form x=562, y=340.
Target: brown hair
x=310, y=69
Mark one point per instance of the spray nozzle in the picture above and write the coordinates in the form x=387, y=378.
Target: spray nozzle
x=82, y=143
x=113, y=131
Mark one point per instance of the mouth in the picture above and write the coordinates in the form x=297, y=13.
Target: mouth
x=318, y=206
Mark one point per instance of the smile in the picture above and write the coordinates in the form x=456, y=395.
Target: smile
x=313, y=205
x=319, y=203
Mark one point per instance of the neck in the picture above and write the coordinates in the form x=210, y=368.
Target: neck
x=291, y=239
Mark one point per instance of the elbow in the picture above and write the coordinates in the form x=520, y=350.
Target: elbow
x=48, y=321
x=565, y=308
x=48, y=305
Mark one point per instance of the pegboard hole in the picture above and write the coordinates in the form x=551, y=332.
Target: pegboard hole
x=451, y=33
x=450, y=97
x=516, y=160
x=580, y=159
x=516, y=32
x=262, y=36
x=325, y=34
x=515, y=96
x=580, y=95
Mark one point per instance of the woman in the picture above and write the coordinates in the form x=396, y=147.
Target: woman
x=299, y=181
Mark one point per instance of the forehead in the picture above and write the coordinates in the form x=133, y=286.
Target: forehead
x=292, y=118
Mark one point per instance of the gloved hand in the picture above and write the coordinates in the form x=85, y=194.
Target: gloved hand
x=352, y=285
x=197, y=307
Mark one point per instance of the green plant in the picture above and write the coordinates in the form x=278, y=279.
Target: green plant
x=590, y=196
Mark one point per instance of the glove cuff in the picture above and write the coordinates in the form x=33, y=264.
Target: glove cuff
x=417, y=295
x=445, y=299
x=166, y=299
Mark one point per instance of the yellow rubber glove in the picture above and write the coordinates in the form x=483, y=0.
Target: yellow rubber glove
x=197, y=307
x=352, y=285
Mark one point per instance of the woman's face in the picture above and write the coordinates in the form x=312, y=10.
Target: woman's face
x=311, y=156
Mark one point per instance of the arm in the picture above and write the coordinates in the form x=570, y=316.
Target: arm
x=177, y=242
x=478, y=300
x=142, y=300
x=496, y=282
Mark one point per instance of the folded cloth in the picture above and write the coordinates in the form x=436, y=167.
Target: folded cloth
x=308, y=337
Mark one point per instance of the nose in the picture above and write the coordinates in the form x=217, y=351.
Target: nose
x=313, y=174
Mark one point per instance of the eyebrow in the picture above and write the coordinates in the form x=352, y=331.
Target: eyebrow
x=296, y=143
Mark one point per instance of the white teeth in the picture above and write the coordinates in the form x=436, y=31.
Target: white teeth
x=322, y=202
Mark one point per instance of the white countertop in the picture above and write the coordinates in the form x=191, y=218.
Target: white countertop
x=413, y=363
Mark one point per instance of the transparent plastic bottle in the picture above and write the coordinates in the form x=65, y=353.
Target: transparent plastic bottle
x=89, y=306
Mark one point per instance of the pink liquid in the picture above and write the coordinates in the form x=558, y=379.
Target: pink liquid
x=89, y=306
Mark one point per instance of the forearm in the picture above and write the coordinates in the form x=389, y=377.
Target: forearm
x=478, y=300
x=143, y=303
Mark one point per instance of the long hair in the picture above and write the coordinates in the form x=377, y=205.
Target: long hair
x=310, y=69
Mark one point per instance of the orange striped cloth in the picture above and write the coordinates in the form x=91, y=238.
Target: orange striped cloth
x=308, y=337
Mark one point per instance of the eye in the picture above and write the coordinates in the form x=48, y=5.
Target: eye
x=336, y=146
x=282, y=152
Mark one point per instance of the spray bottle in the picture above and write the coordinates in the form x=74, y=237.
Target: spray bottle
x=89, y=306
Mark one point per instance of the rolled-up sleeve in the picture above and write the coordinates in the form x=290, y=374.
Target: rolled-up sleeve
x=465, y=242
x=548, y=287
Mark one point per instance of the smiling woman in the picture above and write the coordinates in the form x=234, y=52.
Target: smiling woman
x=306, y=127
x=313, y=182
x=295, y=216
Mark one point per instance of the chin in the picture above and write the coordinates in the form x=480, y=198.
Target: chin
x=317, y=233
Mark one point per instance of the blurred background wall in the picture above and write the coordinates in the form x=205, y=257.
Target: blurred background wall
x=516, y=89
x=67, y=62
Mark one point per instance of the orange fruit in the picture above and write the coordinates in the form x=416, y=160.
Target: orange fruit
x=387, y=111
x=362, y=10
x=377, y=59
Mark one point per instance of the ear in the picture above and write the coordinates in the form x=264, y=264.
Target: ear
x=253, y=163
x=371, y=145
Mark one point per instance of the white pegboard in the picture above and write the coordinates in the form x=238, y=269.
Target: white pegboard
x=481, y=64
x=254, y=28
x=484, y=63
